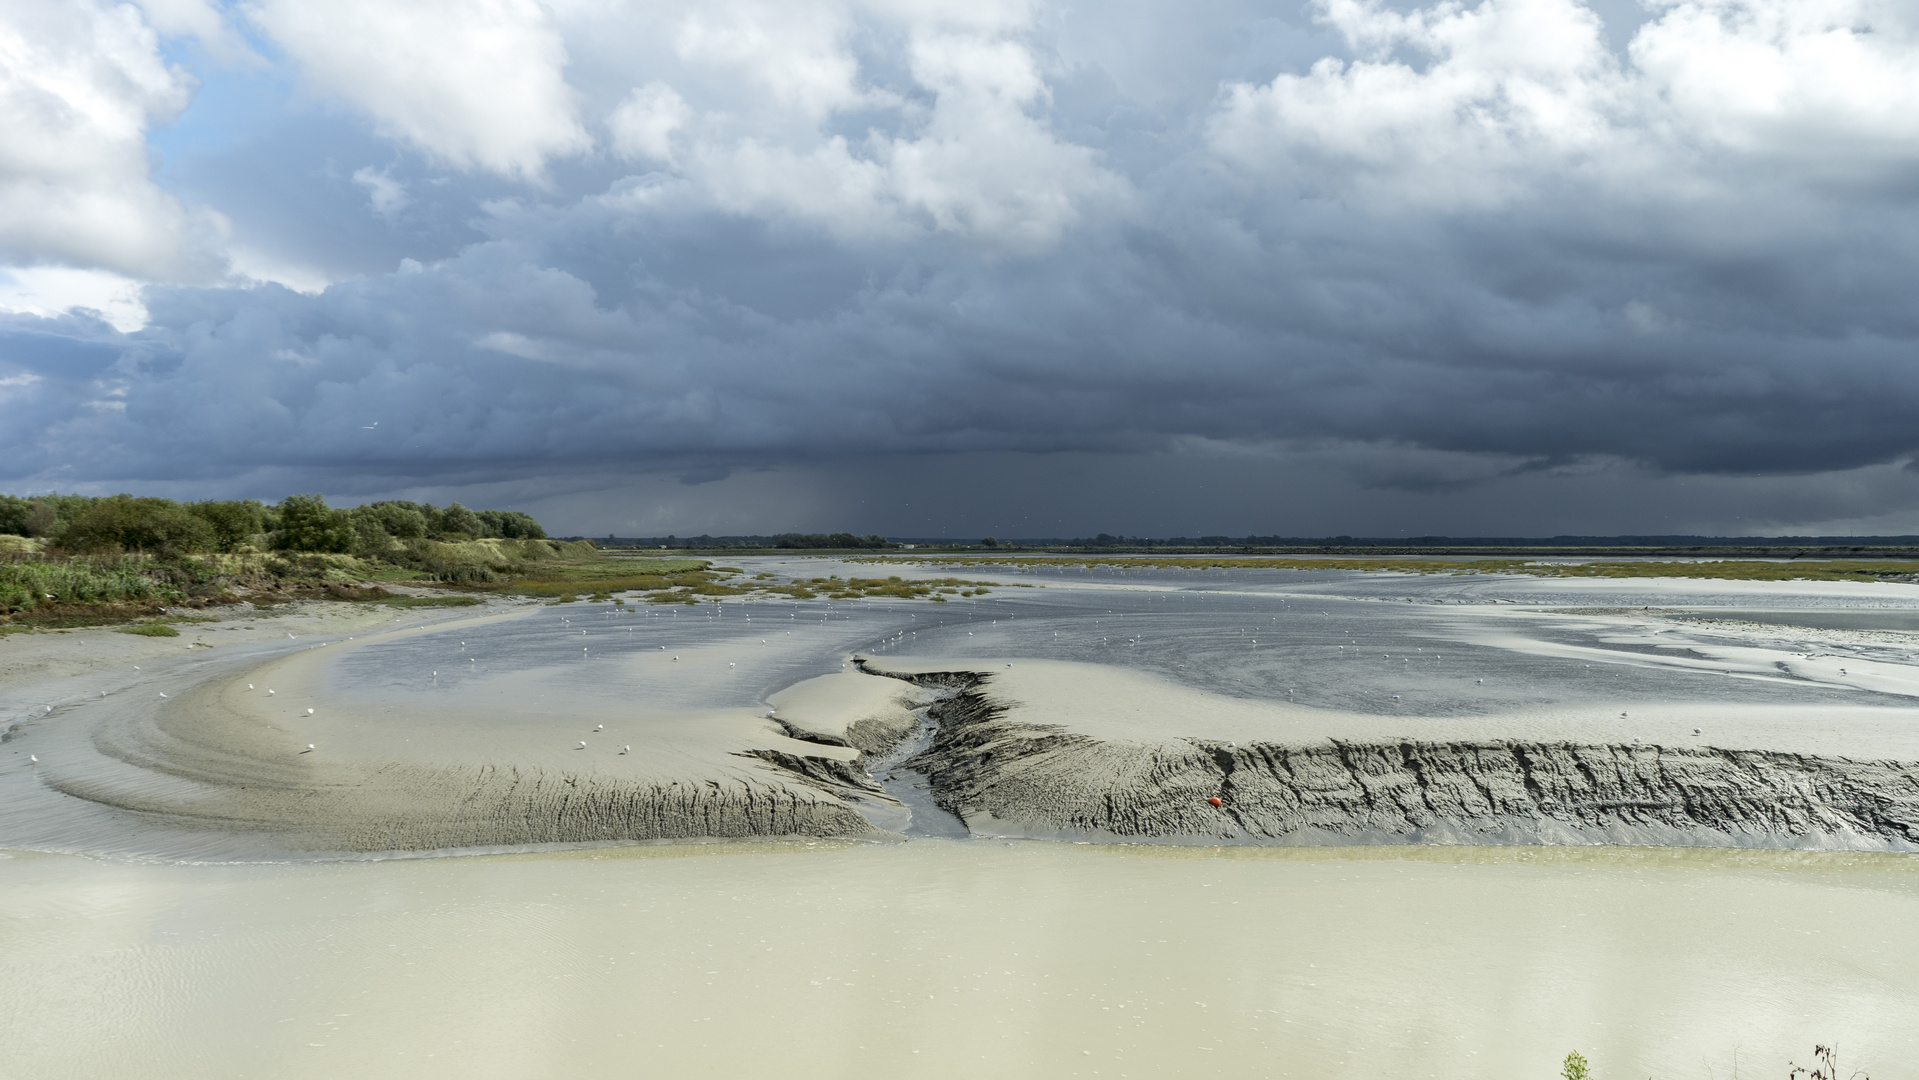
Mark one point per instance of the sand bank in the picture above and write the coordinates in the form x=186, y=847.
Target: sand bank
x=323, y=773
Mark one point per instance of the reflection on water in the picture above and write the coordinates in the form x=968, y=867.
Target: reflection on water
x=939, y=958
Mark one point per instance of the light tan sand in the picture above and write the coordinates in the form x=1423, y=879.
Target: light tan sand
x=378, y=778
x=50, y=666
x=867, y=711
x=1120, y=704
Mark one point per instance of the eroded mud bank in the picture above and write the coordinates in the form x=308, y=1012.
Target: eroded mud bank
x=1007, y=777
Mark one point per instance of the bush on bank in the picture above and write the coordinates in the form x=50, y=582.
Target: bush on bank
x=124, y=555
x=85, y=524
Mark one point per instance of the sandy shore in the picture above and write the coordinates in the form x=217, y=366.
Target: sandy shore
x=262, y=748
x=341, y=728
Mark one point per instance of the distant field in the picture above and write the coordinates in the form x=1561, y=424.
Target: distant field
x=1904, y=570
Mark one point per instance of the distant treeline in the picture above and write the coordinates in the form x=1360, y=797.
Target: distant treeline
x=85, y=523
x=812, y=541
x=1109, y=540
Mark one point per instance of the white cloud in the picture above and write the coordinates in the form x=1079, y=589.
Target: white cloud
x=252, y=266
x=80, y=83
x=793, y=55
x=1515, y=95
x=759, y=121
x=1511, y=86
x=385, y=195
x=49, y=291
x=478, y=84
x=1797, y=79
x=644, y=125
x=199, y=19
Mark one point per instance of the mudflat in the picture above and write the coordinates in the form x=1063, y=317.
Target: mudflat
x=1147, y=704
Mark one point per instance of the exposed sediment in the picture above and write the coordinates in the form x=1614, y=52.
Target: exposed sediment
x=410, y=808
x=1005, y=776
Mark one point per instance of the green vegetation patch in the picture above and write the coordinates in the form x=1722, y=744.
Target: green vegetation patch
x=428, y=601
x=152, y=629
x=606, y=576
x=33, y=581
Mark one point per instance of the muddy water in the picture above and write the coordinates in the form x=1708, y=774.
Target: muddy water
x=938, y=958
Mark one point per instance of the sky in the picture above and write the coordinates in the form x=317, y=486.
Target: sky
x=944, y=268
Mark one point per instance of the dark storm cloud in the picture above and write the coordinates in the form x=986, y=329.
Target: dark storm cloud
x=1434, y=264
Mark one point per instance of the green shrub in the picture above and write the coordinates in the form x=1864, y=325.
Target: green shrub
x=152, y=629
x=308, y=524
x=233, y=521
x=124, y=522
x=457, y=519
x=401, y=520
x=13, y=515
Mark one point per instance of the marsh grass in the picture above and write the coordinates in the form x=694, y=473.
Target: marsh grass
x=152, y=629
x=426, y=601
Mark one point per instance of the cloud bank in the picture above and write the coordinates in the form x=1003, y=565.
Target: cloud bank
x=1507, y=246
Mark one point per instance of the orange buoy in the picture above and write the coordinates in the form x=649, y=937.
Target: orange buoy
x=1215, y=801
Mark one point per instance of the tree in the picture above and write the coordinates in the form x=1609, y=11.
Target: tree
x=308, y=524
x=400, y=520
x=233, y=522
x=140, y=524
x=13, y=515
x=517, y=526
x=1574, y=1067
x=458, y=519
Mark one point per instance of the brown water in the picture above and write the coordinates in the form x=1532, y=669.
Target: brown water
x=940, y=958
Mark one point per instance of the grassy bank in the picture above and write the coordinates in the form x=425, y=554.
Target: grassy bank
x=42, y=588
x=49, y=588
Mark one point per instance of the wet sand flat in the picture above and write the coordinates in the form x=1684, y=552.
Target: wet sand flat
x=1141, y=689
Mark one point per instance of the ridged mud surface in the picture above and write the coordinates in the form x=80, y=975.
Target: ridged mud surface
x=1005, y=777
x=407, y=808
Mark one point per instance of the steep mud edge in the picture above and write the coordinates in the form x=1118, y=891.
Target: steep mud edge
x=1010, y=778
